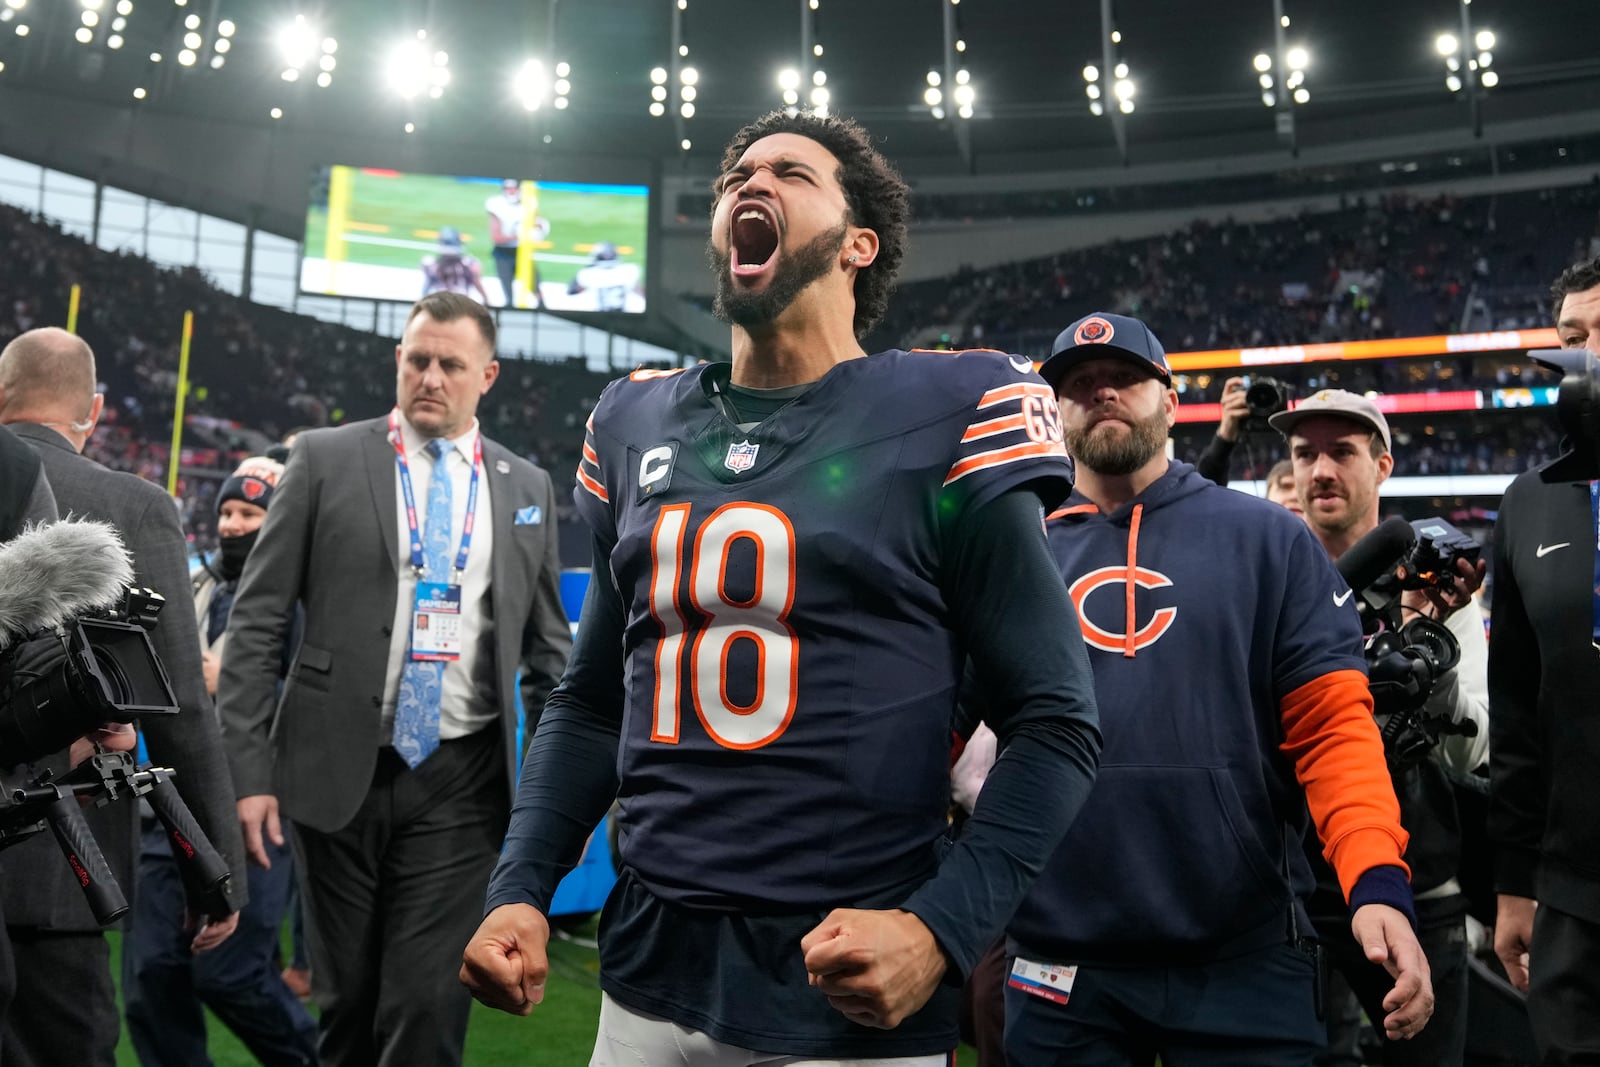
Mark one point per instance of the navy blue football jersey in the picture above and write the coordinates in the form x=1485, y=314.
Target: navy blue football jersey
x=791, y=661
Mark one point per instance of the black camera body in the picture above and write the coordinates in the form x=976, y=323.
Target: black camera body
x=61, y=684
x=1406, y=658
x=1265, y=397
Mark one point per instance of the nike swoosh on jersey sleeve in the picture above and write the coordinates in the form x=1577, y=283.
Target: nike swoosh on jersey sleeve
x=589, y=477
x=1012, y=423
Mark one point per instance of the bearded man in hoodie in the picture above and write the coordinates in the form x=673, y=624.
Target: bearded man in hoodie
x=1227, y=660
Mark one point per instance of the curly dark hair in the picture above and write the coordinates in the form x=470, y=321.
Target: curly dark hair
x=875, y=195
x=1575, y=279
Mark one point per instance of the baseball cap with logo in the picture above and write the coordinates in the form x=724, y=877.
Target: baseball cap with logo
x=1103, y=335
x=1338, y=403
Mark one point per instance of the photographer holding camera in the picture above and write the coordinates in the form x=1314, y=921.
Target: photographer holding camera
x=1339, y=445
x=65, y=995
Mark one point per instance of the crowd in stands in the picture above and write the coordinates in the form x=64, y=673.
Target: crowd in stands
x=1388, y=266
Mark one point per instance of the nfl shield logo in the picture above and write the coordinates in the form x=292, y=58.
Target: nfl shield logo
x=741, y=456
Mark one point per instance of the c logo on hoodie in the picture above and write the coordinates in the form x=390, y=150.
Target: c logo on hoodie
x=1109, y=640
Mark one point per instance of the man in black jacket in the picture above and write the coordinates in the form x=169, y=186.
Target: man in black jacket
x=1544, y=719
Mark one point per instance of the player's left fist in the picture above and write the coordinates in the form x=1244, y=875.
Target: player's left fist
x=877, y=968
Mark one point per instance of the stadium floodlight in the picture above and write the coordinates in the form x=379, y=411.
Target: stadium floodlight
x=155, y=57
x=1116, y=36
x=192, y=40
x=658, y=92
x=657, y=109
x=191, y=22
x=276, y=113
x=932, y=96
x=324, y=80
x=1297, y=58
x=820, y=96
x=684, y=144
x=1121, y=70
x=791, y=97
x=413, y=68
x=963, y=77
x=689, y=76
x=225, y=28
x=1093, y=91
x=658, y=76
x=563, y=70
x=531, y=85
x=22, y=29
x=327, y=63
x=961, y=46
x=563, y=87
x=819, y=77
x=329, y=45
x=84, y=35
x=139, y=93
x=1485, y=59
x=297, y=43
x=1446, y=44
x=1124, y=89
x=965, y=95
x=124, y=7
x=91, y=19
x=1265, y=81
x=1301, y=96
x=411, y=127
x=683, y=50
x=1484, y=40
x=119, y=24
x=1091, y=73
x=92, y=5
x=687, y=110
x=1096, y=108
x=216, y=61
x=1453, y=83
x=16, y=5
x=187, y=57
x=561, y=103
x=1126, y=107
x=789, y=79
x=934, y=79
x=1489, y=79
x=1263, y=62
x=290, y=74
x=816, y=50
x=687, y=93
x=114, y=42
x=1269, y=98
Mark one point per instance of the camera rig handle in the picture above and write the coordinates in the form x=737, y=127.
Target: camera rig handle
x=83, y=854
x=205, y=873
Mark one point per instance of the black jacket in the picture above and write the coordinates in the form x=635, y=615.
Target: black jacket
x=1544, y=697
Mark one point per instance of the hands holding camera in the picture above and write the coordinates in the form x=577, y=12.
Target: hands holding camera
x=1439, y=602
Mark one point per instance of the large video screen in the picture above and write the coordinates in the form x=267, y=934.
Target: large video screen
x=508, y=242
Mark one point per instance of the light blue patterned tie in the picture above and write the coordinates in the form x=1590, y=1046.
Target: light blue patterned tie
x=416, y=710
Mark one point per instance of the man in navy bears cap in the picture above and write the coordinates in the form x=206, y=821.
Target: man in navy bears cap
x=1169, y=920
x=795, y=554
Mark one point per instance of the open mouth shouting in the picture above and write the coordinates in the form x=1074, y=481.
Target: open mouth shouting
x=753, y=237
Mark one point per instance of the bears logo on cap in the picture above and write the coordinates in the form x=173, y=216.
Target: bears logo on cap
x=1095, y=331
x=254, y=488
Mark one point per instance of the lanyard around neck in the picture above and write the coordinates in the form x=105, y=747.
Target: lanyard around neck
x=398, y=440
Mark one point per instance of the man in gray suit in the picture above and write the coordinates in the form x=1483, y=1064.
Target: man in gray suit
x=392, y=750
x=65, y=1006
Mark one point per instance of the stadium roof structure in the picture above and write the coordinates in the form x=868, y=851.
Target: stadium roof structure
x=1373, y=68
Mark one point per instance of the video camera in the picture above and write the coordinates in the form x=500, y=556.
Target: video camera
x=1577, y=409
x=1406, y=658
x=75, y=653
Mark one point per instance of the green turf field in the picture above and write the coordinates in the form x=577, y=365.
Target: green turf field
x=560, y=1032
x=393, y=221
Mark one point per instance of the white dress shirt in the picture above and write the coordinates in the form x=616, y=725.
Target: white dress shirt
x=469, y=701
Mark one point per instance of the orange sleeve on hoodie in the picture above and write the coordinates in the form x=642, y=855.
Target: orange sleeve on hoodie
x=1338, y=757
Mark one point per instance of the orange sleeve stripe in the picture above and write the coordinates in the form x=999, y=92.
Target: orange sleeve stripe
x=589, y=423
x=589, y=454
x=1001, y=456
x=1075, y=509
x=593, y=486
x=1014, y=391
x=1338, y=757
x=990, y=427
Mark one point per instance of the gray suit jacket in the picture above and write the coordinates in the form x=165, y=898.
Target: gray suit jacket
x=331, y=542
x=38, y=889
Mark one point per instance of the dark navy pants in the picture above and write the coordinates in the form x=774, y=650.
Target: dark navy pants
x=1256, y=1010
x=165, y=984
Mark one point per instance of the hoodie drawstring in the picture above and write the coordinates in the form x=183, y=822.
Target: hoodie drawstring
x=1132, y=624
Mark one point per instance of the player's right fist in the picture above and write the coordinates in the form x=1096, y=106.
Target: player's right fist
x=505, y=963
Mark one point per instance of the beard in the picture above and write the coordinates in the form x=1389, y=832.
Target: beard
x=744, y=307
x=1119, y=454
